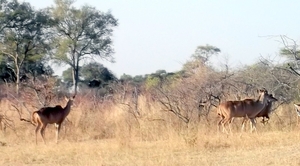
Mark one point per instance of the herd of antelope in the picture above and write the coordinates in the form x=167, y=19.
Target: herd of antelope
x=227, y=111
x=248, y=109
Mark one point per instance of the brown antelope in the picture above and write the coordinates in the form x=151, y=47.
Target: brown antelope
x=50, y=115
x=264, y=113
x=248, y=108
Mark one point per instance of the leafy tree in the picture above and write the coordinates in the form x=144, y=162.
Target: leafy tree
x=139, y=79
x=93, y=73
x=291, y=52
x=158, y=78
x=81, y=33
x=160, y=72
x=97, y=72
x=23, y=36
x=200, y=58
x=67, y=76
x=6, y=74
x=125, y=77
x=290, y=48
x=136, y=81
x=39, y=67
x=203, y=53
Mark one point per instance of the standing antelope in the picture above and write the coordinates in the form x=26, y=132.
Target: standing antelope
x=50, y=115
x=264, y=113
x=248, y=108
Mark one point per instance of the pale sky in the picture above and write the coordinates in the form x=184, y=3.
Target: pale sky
x=163, y=34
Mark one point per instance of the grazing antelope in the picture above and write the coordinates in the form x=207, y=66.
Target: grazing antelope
x=50, y=115
x=248, y=108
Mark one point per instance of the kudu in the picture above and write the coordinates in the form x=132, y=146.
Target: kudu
x=264, y=113
x=50, y=115
x=248, y=108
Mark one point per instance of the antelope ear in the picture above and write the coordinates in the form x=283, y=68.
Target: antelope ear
x=66, y=98
x=263, y=90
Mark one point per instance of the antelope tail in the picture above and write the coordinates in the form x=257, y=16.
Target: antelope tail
x=29, y=121
x=33, y=122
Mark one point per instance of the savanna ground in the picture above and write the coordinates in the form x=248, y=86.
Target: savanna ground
x=108, y=134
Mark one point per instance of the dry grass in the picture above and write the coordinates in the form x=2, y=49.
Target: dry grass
x=108, y=134
x=274, y=148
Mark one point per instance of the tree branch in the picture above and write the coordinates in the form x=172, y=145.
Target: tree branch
x=295, y=72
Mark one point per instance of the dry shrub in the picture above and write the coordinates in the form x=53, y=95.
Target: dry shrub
x=89, y=119
x=104, y=131
x=96, y=119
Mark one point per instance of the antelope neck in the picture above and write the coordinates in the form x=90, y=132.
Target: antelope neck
x=67, y=107
x=263, y=102
x=262, y=99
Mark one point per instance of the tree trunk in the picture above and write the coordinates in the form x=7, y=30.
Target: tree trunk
x=76, y=79
x=17, y=81
x=17, y=75
x=75, y=74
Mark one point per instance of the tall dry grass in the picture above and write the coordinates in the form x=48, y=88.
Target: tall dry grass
x=111, y=133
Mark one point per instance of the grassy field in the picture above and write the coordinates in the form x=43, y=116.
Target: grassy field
x=271, y=148
x=112, y=136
